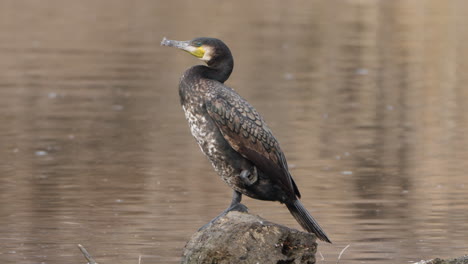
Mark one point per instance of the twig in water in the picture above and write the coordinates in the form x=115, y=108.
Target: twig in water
x=341, y=253
x=321, y=255
x=87, y=255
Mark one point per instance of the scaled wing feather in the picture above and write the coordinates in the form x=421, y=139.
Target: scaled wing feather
x=248, y=134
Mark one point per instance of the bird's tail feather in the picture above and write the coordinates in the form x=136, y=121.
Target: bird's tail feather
x=304, y=218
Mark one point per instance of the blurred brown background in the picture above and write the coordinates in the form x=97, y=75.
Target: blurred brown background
x=366, y=97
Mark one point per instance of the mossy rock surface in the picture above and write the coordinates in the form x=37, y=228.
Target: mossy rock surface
x=245, y=238
x=460, y=260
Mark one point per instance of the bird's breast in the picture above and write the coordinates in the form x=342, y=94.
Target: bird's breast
x=224, y=159
x=203, y=130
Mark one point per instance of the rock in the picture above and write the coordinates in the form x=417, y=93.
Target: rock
x=244, y=238
x=460, y=260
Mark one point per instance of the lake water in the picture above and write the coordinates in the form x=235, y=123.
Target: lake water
x=368, y=100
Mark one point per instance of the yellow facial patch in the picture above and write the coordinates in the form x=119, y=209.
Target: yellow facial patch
x=197, y=52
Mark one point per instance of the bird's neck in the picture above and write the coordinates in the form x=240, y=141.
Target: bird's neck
x=220, y=70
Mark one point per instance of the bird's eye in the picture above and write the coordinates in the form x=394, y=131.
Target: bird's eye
x=197, y=43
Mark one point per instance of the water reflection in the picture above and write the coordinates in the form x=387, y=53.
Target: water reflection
x=366, y=97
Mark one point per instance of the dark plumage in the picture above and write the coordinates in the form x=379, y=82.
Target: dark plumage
x=234, y=137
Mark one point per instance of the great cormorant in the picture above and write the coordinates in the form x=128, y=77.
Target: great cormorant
x=233, y=135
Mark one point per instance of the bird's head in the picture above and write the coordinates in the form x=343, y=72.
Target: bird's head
x=209, y=50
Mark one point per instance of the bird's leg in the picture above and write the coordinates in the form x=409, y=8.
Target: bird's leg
x=235, y=206
x=247, y=177
x=236, y=203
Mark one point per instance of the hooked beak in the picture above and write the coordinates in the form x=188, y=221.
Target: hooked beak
x=174, y=43
x=198, y=52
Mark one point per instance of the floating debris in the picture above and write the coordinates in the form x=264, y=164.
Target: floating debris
x=362, y=71
x=288, y=76
x=117, y=107
x=41, y=153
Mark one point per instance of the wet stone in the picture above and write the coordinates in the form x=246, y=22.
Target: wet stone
x=244, y=238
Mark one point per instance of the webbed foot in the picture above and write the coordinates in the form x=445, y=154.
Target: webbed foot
x=235, y=206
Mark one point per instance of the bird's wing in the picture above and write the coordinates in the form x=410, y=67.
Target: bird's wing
x=248, y=134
